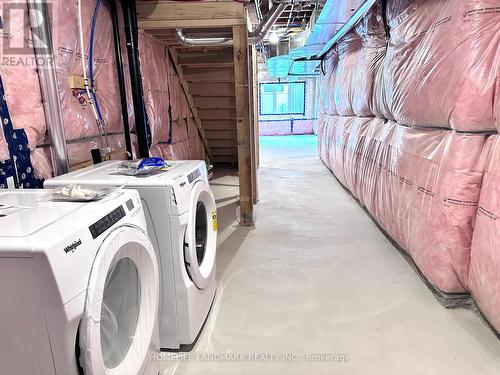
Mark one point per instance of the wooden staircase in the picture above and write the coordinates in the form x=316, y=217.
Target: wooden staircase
x=219, y=81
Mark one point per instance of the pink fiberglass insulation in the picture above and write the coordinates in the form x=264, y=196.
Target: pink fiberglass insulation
x=443, y=204
x=355, y=133
x=174, y=90
x=155, y=86
x=79, y=119
x=166, y=151
x=303, y=126
x=372, y=33
x=349, y=50
x=275, y=127
x=338, y=141
x=40, y=159
x=185, y=110
x=181, y=150
x=179, y=130
x=22, y=90
x=442, y=63
x=78, y=152
x=4, y=152
x=326, y=102
x=484, y=278
x=380, y=106
x=427, y=199
x=422, y=187
x=321, y=129
x=325, y=138
x=193, y=141
x=162, y=89
x=372, y=146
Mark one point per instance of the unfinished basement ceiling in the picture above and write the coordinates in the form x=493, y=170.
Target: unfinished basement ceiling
x=207, y=72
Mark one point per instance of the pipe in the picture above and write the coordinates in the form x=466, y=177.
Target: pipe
x=193, y=41
x=260, y=32
x=132, y=36
x=40, y=25
x=290, y=16
x=121, y=77
x=254, y=37
x=84, y=68
x=91, y=72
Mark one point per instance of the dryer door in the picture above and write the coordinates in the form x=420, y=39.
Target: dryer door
x=200, y=241
x=119, y=319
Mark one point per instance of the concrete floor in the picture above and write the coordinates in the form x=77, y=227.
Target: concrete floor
x=315, y=276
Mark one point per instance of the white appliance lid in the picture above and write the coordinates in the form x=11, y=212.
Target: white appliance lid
x=23, y=213
x=95, y=174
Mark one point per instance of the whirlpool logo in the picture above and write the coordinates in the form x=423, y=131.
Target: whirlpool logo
x=71, y=248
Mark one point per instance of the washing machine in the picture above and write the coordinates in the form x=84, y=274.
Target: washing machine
x=79, y=285
x=182, y=224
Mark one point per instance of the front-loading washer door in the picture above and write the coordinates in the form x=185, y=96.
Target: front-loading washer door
x=200, y=242
x=121, y=306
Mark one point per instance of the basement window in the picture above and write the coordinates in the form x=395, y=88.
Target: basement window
x=282, y=98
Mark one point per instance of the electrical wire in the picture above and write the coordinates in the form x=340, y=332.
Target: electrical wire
x=91, y=57
x=98, y=119
x=91, y=70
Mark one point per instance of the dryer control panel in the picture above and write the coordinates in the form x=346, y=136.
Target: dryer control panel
x=103, y=224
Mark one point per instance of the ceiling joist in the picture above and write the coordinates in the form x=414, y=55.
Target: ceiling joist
x=194, y=14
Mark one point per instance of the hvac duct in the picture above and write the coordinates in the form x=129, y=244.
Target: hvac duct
x=254, y=37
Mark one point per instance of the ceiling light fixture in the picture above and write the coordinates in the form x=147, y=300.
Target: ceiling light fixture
x=274, y=38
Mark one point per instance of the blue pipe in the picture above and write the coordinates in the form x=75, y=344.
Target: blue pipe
x=91, y=59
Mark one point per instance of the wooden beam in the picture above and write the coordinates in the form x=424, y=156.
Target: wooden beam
x=226, y=159
x=209, y=74
x=219, y=124
x=216, y=89
x=221, y=134
x=208, y=57
x=214, y=102
x=217, y=114
x=254, y=132
x=240, y=45
x=175, y=14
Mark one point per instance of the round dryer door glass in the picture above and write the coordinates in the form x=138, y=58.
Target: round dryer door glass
x=119, y=321
x=201, y=232
x=119, y=311
x=200, y=242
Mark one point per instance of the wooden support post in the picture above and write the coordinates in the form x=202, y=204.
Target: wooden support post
x=243, y=124
x=254, y=121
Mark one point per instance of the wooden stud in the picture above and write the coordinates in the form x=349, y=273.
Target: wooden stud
x=240, y=45
x=254, y=133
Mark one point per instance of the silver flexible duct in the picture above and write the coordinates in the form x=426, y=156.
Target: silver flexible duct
x=254, y=37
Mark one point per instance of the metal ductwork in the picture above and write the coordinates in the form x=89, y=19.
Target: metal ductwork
x=203, y=41
x=260, y=32
x=254, y=37
x=39, y=22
